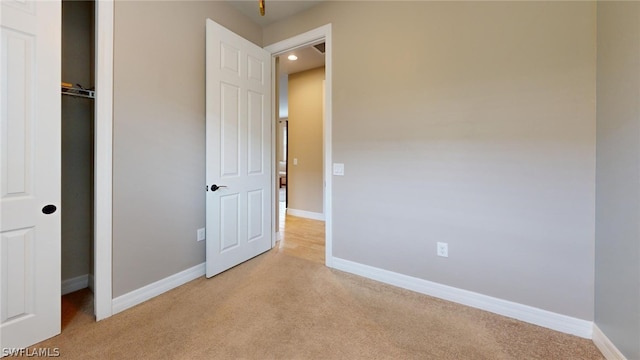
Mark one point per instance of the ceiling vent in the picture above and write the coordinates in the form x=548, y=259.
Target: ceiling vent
x=320, y=48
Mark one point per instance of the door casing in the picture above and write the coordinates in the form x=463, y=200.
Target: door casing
x=103, y=159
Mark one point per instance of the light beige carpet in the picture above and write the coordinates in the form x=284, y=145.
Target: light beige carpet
x=278, y=306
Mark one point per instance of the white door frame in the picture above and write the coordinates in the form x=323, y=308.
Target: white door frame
x=298, y=41
x=103, y=159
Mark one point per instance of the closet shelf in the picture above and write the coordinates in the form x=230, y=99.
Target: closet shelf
x=77, y=91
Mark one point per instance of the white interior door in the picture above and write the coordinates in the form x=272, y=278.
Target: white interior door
x=238, y=155
x=30, y=172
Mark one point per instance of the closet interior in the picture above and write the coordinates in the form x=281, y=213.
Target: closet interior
x=77, y=92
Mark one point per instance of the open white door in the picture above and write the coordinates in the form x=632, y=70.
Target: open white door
x=238, y=155
x=30, y=172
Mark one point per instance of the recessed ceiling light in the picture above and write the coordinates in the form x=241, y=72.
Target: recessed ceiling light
x=292, y=57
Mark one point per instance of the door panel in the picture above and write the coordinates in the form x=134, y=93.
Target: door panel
x=30, y=172
x=254, y=211
x=229, y=224
x=256, y=133
x=238, y=154
x=17, y=248
x=230, y=137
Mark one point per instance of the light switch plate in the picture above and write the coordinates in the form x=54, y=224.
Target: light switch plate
x=338, y=169
x=201, y=234
x=443, y=249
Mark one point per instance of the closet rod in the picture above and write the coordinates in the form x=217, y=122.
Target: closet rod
x=76, y=91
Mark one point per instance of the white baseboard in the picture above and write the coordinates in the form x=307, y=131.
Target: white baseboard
x=606, y=347
x=544, y=318
x=150, y=291
x=75, y=284
x=305, y=214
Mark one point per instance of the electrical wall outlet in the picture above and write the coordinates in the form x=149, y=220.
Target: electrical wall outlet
x=443, y=249
x=201, y=234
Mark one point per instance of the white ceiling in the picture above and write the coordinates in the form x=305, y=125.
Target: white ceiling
x=308, y=58
x=275, y=10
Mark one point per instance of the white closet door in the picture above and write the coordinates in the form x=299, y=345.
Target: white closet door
x=30, y=172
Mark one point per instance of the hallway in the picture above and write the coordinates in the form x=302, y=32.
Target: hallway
x=300, y=237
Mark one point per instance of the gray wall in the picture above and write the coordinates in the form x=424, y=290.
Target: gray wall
x=305, y=182
x=159, y=135
x=617, y=304
x=77, y=140
x=471, y=123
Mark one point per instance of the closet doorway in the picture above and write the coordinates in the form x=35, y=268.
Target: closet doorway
x=78, y=134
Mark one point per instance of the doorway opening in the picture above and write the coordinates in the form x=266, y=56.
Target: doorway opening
x=78, y=134
x=102, y=32
x=300, y=153
x=300, y=150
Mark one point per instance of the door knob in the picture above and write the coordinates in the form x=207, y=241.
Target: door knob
x=49, y=209
x=215, y=187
